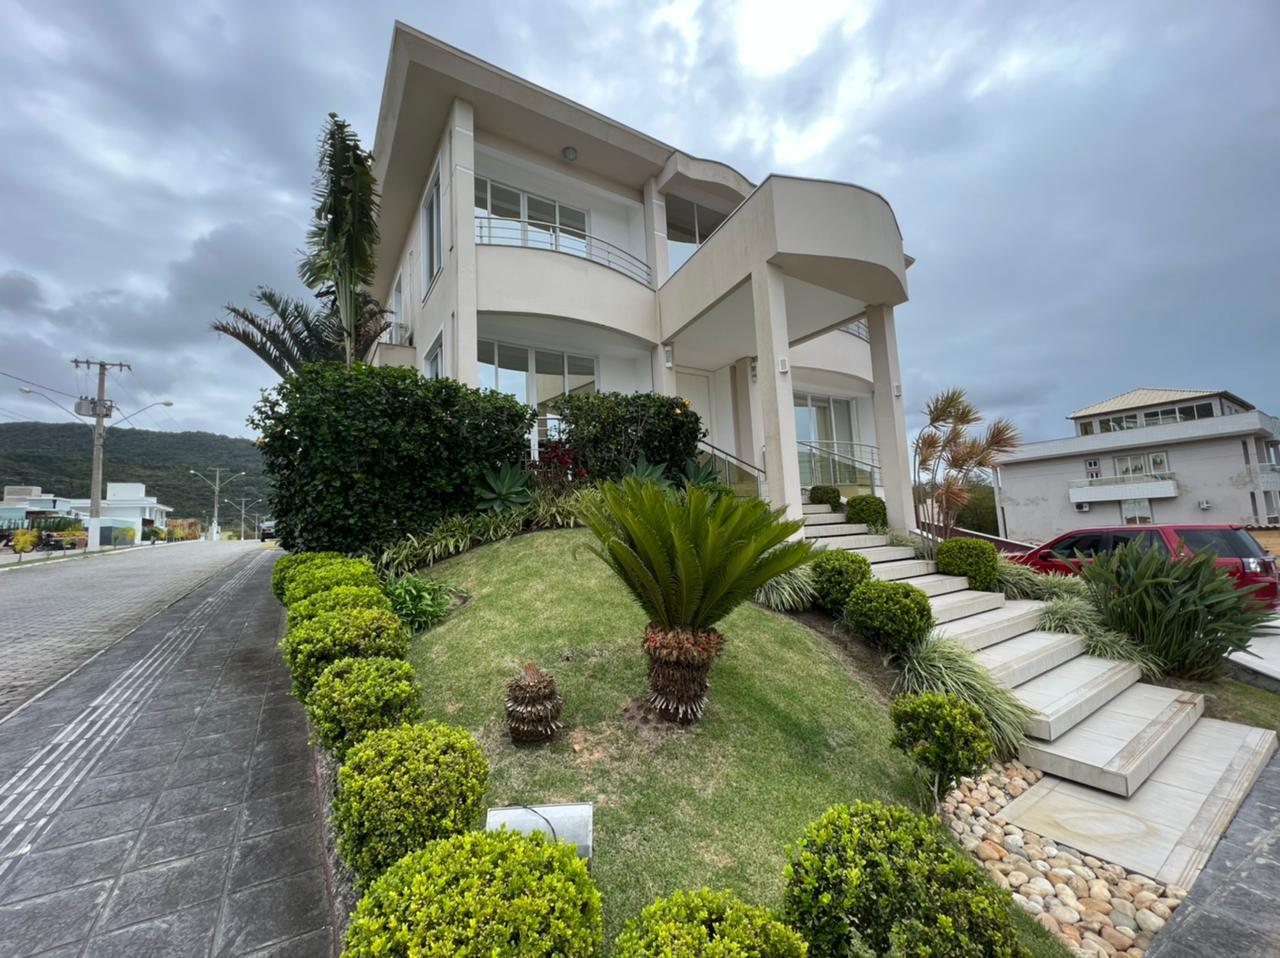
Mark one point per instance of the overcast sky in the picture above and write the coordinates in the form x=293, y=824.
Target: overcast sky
x=1091, y=190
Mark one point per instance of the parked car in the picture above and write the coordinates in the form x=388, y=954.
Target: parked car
x=267, y=530
x=1237, y=551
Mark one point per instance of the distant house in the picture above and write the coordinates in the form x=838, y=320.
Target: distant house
x=126, y=505
x=1148, y=455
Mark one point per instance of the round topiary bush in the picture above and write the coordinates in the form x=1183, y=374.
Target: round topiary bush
x=323, y=574
x=944, y=734
x=892, y=615
x=354, y=697
x=836, y=574
x=286, y=565
x=974, y=558
x=336, y=599
x=824, y=496
x=869, y=510
x=867, y=875
x=480, y=895
x=310, y=647
x=707, y=924
x=403, y=787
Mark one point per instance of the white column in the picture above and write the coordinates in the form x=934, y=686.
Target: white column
x=777, y=402
x=891, y=418
x=655, y=232
x=461, y=209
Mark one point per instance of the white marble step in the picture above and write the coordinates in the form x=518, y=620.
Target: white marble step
x=1025, y=656
x=855, y=543
x=987, y=628
x=1119, y=746
x=899, y=569
x=961, y=605
x=836, y=518
x=1068, y=694
x=872, y=553
x=935, y=583
x=825, y=530
x=813, y=509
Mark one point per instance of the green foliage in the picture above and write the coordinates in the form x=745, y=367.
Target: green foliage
x=940, y=665
x=836, y=574
x=1187, y=612
x=361, y=455
x=868, y=510
x=978, y=514
x=607, y=432
x=974, y=558
x=707, y=924
x=646, y=471
x=420, y=602
x=353, y=697
x=1073, y=614
x=1018, y=581
x=895, y=616
x=123, y=536
x=873, y=876
x=700, y=473
x=1115, y=645
x=944, y=734
x=311, y=646
x=688, y=561
x=335, y=599
x=480, y=895
x=321, y=575
x=403, y=787
x=824, y=496
x=286, y=565
x=505, y=489
x=790, y=591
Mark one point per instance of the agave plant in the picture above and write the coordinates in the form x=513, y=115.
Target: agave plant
x=689, y=561
x=505, y=489
x=702, y=473
x=646, y=471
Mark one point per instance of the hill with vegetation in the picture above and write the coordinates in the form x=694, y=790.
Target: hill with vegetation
x=58, y=457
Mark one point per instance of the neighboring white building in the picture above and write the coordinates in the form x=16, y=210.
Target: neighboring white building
x=126, y=504
x=1148, y=455
x=534, y=246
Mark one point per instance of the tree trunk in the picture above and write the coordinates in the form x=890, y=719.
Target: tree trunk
x=679, y=663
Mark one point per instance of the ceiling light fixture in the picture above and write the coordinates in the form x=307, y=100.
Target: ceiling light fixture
x=570, y=153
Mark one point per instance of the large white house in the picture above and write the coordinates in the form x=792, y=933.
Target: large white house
x=531, y=245
x=126, y=505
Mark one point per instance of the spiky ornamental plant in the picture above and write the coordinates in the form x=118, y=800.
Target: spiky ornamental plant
x=533, y=706
x=945, y=457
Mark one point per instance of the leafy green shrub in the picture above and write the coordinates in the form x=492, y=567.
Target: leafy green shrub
x=123, y=536
x=701, y=473
x=1018, y=581
x=505, y=489
x=336, y=599
x=608, y=432
x=790, y=591
x=1117, y=646
x=310, y=647
x=868, y=510
x=707, y=924
x=360, y=455
x=480, y=895
x=836, y=574
x=941, y=665
x=1186, y=611
x=1073, y=614
x=403, y=787
x=824, y=496
x=944, y=734
x=324, y=574
x=353, y=697
x=975, y=559
x=868, y=875
x=895, y=616
x=958, y=923
x=420, y=602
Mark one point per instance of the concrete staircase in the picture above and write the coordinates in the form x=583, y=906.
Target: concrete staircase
x=1094, y=722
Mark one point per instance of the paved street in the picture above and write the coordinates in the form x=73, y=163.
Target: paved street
x=162, y=799
x=54, y=616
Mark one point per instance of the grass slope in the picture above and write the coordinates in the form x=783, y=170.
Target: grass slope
x=790, y=730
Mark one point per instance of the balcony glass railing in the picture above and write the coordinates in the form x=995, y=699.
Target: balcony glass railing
x=742, y=477
x=397, y=334
x=832, y=462
x=1104, y=481
x=500, y=231
x=858, y=328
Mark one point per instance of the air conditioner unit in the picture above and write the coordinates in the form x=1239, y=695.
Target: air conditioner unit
x=1204, y=505
x=1082, y=507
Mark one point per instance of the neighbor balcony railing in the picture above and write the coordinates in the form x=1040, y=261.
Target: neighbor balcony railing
x=397, y=334
x=1104, y=481
x=858, y=328
x=500, y=231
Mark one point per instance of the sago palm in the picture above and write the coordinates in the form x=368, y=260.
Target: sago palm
x=689, y=560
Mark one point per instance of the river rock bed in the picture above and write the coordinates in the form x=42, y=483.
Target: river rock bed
x=1093, y=907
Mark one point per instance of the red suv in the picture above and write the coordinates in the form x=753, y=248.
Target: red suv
x=1237, y=551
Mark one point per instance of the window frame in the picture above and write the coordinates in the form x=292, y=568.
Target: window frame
x=436, y=353
x=432, y=234
x=525, y=196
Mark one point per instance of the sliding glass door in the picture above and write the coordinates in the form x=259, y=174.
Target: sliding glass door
x=537, y=377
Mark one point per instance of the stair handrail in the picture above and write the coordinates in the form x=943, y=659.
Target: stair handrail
x=871, y=467
x=725, y=454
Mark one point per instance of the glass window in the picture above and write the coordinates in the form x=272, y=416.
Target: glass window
x=840, y=409
x=542, y=222
x=549, y=372
x=513, y=371
x=431, y=256
x=1092, y=469
x=482, y=196
x=1085, y=542
x=1131, y=465
x=581, y=375
x=573, y=230
x=1145, y=540
x=709, y=221
x=1135, y=512
x=1225, y=543
x=1086, y=429
x=486, y=365
x=432, y=367
x=682, y=221
x=1159, y=463
x=1204, y=410
x=504, y=204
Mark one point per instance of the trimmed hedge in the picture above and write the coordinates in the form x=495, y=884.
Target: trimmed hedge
x=335, y=600
x=286, y=565
x=480, y=895
x=354, y=697
x=895, y=616
x=836, y=574
x=707, y=924
x=325, y=574
x=944, y=734
x=869, y=510
x=607, y=433
x=313, y=646
x=976, y=559
x=403, y=787
x=824, y=495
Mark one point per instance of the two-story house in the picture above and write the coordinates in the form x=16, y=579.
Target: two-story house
x=1148, y=455
x=534, y=246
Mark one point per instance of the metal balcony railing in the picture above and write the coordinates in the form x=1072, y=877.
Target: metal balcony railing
x=1103, y=481
x=500, y=231
x=858, y=328
x=834, y=462
x=744, y=478
x=397, y=334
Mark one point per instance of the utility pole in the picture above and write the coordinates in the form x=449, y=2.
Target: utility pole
x=243, y=507
x=216, y=483
x=100, y=409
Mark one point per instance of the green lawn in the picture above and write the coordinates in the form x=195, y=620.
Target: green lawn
x=791, y=727
x=1234, y=701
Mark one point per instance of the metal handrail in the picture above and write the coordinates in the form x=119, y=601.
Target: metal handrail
x=817, y=452
x=716, y=450
x=836, y=447
x=1121, y=480
x=397, y=334
x=858, y=328
x=502, y=231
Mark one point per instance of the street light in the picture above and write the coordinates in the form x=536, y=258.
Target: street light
x=243, y=506
x=163, y=402
x=216, y=485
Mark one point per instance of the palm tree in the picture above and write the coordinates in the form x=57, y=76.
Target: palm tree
x=291, y=332
x=343, y=240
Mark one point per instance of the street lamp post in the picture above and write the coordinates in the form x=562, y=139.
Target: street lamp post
x=216, y=484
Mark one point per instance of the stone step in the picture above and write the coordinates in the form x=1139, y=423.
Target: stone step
x=812, y=509
x=988, y=628
x=873, y=554
x=899, y=569
x=836, y=518
x=1069, y=693
x=1025, y=656
x=825, y=530
x=856, y=543
x=961, y=605
x=935, y=583
x=1119, y=746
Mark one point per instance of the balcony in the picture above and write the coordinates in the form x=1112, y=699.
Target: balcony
x=1269, y=477
x=1160, y=485
x=500, y=231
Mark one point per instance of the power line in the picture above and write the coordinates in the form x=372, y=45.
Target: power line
x=60, y=392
